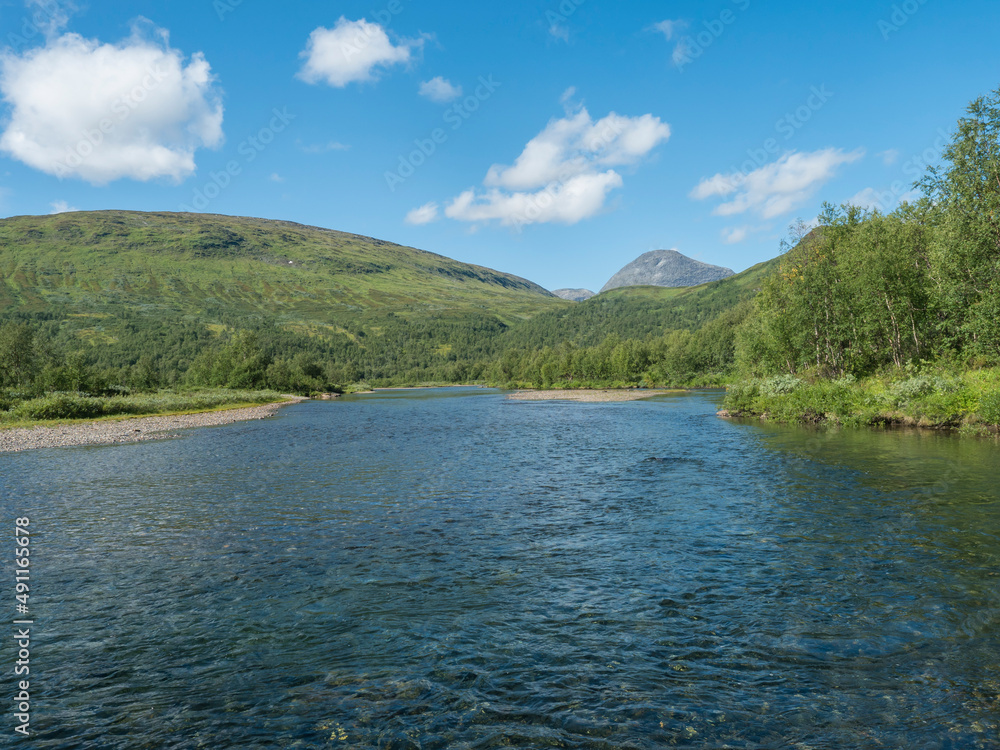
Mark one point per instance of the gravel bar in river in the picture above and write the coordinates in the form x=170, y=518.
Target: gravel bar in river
x=130, y=430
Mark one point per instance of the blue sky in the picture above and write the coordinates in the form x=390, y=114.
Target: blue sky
x=554, y=140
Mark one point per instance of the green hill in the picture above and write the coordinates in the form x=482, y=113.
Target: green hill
x=215, y=267
x=640, y=312
x=155, y=292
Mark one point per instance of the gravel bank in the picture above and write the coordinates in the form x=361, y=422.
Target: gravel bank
x=132, y=430
x=632, y=394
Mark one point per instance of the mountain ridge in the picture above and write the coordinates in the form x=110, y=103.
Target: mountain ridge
x=574, y=295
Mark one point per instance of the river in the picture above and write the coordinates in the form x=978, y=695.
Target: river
x=452, y=569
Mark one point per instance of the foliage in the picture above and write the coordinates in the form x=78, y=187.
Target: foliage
x=933, y=399
x=79, y=406
x=864, y=318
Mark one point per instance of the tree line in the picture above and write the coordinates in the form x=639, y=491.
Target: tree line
x=867, y=290
x=862, y=293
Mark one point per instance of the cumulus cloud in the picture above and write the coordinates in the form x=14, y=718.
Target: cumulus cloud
x=102, y=112
x=569, y=202
x=352, y=51
x=440, y=90
x=61, y=207
x=563, y=174
x=423, y=215
x=48, y=16
x=777, y=188
x=577, y=145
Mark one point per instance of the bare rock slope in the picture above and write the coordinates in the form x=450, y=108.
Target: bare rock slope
x=574, y=295
x=666, y=268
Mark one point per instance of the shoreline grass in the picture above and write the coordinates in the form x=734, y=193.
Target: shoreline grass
x=965, y=401
x=65, y=408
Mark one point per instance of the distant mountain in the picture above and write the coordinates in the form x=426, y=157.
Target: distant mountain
x=574, y=295
x=667, y=268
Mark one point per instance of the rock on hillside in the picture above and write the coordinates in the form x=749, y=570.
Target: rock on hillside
x=666, y=268
x=574, y=295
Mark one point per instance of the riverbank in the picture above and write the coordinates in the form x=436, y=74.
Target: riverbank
x=129, y=429
x=968, y=401
x=631, y=394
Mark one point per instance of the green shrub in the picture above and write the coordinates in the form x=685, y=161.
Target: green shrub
x=741, y=398
x=904, y=391
x=78, y=406
x=779, y=384
x=989, y=407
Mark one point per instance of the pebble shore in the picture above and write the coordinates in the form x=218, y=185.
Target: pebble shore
x=132, y=430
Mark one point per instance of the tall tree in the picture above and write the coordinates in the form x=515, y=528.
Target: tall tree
x=965, y=193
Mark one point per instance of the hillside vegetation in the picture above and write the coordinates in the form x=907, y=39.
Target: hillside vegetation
x=214, y=267
x=869, y=318
x=885, y=317
x=118, y=301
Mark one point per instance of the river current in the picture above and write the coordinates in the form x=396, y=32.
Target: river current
x=453, y=569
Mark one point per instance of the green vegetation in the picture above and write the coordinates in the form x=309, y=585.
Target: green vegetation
x=889, y=317
x=95, y=330
x=70, y=406
x=968, y=400
x=870, y=318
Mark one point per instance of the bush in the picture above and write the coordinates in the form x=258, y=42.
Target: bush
x=59, y=406
x=78, y=406
x=922, y=385
x=989, y=407
x=741, y=398
x=779, y=385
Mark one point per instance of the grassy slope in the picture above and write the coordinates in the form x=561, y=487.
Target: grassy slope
x=90, y=264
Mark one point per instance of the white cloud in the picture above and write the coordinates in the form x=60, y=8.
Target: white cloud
x=669, y=28
x=275, y=177
x=440, y=90
x=884, y=200
x=682, y=53
x=576, y=145
x=423, y=215
x=868, y=198
x=322, y=148
x=563, y=174
x=735, y=235
x=777, y=188
x=61, y=207
x=101, y=112
x=569, y=202
x=889, y=157
x=352, y=51
x=50, y=17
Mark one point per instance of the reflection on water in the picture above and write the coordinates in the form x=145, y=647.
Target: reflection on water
x=448, y=569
